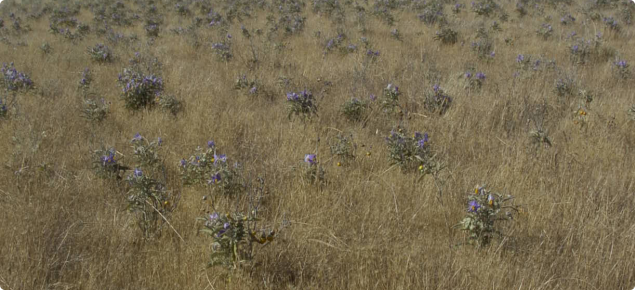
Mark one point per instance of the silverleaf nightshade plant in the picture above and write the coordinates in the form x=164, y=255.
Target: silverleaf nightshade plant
x=205, y=167
x=145, y=151
x=139, y=90
x=343, y=148
x=106, y=165
x=301, y=105
x=437, y=101
x=313, y=171
x=355, y=110
x=389, y=101
x=485, y=210
x=100, y=53
x=13, y=80
x=95, y=111
x=150, y=201
x=3, y=108
x=233, y=237
x=412, y=153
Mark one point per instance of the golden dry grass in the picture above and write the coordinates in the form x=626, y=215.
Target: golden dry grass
x=371, y=227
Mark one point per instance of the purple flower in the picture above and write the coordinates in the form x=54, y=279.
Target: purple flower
x=183, y=163
x=435, y=88
x=159, y=141
x=310, y=158
x=492, y=54
x=220, y=158
x=215, y=178
x=211, y=144
x=575, y=48
x=213, y=217
x=137, y=172
x=292, y=96
x=373, y=97
x=473, y=206
x=253, y=90
x=520, y=58
x=480, y=76
x=421, y=143
x=468, y=75
x=622, y=64
x=490, y=199
x=137, y=137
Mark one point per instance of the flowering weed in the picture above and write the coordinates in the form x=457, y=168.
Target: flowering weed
x=485, y=210
x=145, y=152
x=437, y=101
x=139, y=90
x=301, y=104
x=95, y=111
x=150, y=201
x=106, y=164
x=100, y=53
x=13, y=80
x=412, y=153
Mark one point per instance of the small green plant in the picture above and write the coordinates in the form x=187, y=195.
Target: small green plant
x=100, y=53
x=95, y=111
x=233, y=237
x=206, y=167
x=355, y=109
x=412, y=153
x=545, y=31
x=170, y=104
x=343, y=148
x=631, y=112
x=485, y=210
x=540, y=137
x=86, y=80
x=150, y=201
x=621, y=69
x=484, y=7
x=46, y=48
x=390, y=99
x=564, y=86
x=447, y=36
x=146, y=152
x=223, y=51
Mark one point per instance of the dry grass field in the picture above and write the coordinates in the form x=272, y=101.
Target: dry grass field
x=367, y=224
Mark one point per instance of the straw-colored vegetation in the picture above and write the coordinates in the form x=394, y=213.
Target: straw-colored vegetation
x=531, y=98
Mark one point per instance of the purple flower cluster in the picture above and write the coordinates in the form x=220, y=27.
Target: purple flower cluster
x=421, y=139
x=139, y=90
x=15, y=80
x=621, y=64
x=370, y=52
x=611, y=23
